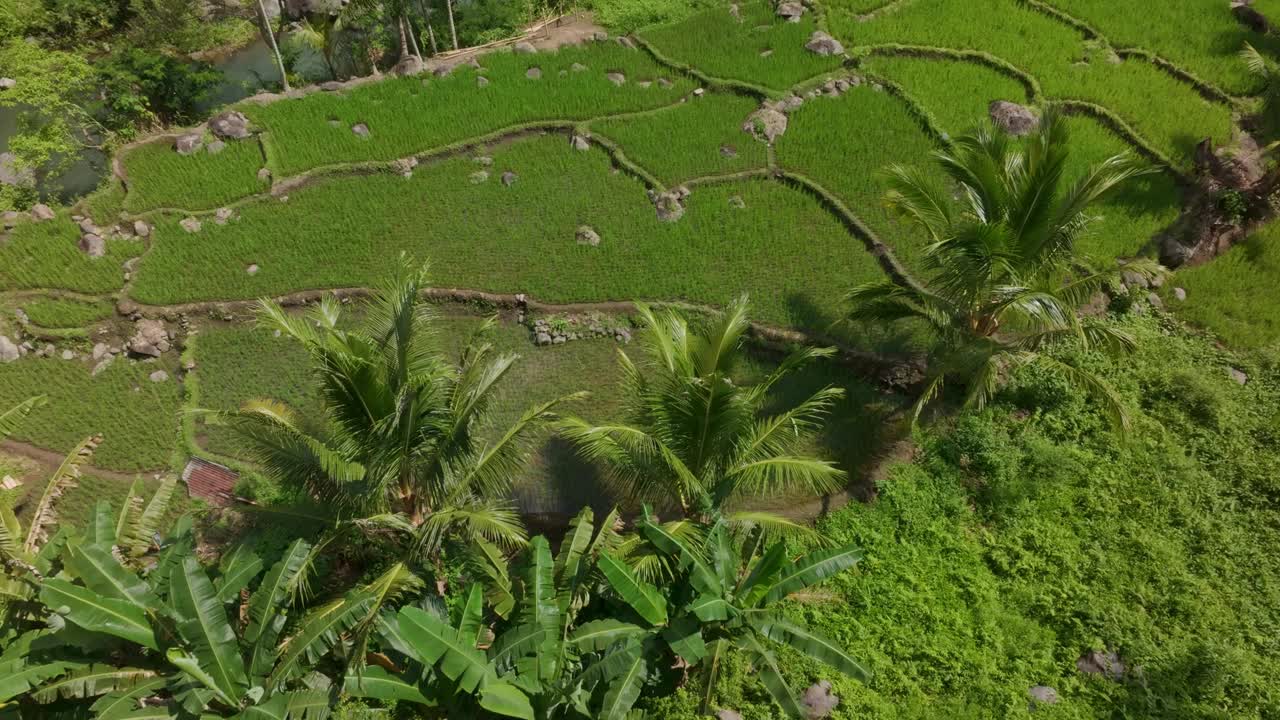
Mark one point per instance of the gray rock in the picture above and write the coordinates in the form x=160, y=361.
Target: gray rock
x=1042, y=695
x=86, y=226
x=409, y=65
x=509, y=178
x=252, y=269
x=190, y=224
x=736, y=201
x=10, y=218
x=580, y=143
x=823, y=44
x=616, y=78
x=533, y=73
x=790, y=11
x=1133, y=279
x=482, y=81
x=331, y=86
x=818, y=700
x=102, y=365
x=766, y=52
x=360, y=129
x=766, y=124
x=150, y=338
x=1107, y=664
x=100, y=351
x=68, y=355
x=699, y=92
x=41, y=212
x=158, y=376
x=577, y=67
x=229, y=124
x=728, y=151
x=215, y=147
x=524, y=47
x=559, y=340
x=8, y=350
x=1155, y=300
x=141, y=228
x=586, y=235
x=1238, y=375
x=8, y=83
x=542, y=338
x=264, y=175
x=222, y=215
x=1012, y=118
x=669, y=206
x=1180, y=294
x=188, y=144
x=404, y=166
x=478, y=177
x=93, y=245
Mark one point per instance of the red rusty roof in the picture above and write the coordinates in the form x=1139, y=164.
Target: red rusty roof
x=210, y=481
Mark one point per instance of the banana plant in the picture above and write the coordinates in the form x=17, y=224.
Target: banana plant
x=522, y=665
x=719, y=603
x=180, y=643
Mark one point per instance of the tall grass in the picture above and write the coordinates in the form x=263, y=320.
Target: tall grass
x=1235, y=295
x=845, y=143
x=713, y=42
x=137, y=418
x=783, y=246
x=690, y=140
x=1201, y=36
x=1170, y=113
x=411, y=115
x=955, y=92
x=161, y=178
x=47, y=255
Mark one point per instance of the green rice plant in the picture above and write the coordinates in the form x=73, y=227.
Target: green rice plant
x=761, y=49
x=56, y=312
x=46, y=255
x=161, y=178
x=844, y=143
x=137, y=418
x=1058, y=56
x=1200, y=36
x=406, y=116
x=698, y=138
x=955, y=92
x=1235, y=294
x=106, y=203
x=781, y=245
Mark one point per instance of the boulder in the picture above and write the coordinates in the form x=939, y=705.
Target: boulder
x=1180, y=294
x=10, y=218
x=93, y=245
x=150, y=338
x=1107, y=664
x=252, y=269
x=542, y=338
x=141, y=228
x=102, y=365
x=823, y=44
x=1012, y=118
x=1238, y=375
x=264, y=175
x=8, y=83
x=100, y=351
x=1249, y=17
x=1155, y=300
x=360, y=129
x=478, y=177
x=158, y=376
x=789, y=11
x=616, y=78
x=818, y=700
x=533, y=73
x=86, y=225
x=11, y=174
x=229, y=125
x=68, y=354
x=190, y=224
x=8, y=350
x=1042, y=695
x=669, y=205
x=222, y=215
x=586, y=235
x=766, y=124
x=509, y=178
x=524, y=47
x=404, y=166
x=1133, y=279
x=188, y=144
x=409, y=65
x=41, y=212
x=331, y=86
x=580, y=143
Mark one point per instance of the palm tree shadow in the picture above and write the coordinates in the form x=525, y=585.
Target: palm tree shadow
x=822, y=322
x=557, y=484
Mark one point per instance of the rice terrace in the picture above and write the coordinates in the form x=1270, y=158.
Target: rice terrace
x=639, y=359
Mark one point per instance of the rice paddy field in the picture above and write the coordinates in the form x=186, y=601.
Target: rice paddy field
x=500, y=194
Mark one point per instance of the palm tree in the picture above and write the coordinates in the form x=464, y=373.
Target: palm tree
x=698, y=440
x=1268, y=71
x=1004, y=279
x=403, y=441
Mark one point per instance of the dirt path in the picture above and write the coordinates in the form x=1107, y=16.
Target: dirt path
x=53, y=459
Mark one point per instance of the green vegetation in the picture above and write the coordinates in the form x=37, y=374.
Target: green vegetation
x=698, y=138
x=759, y=50
x=1233, y=295
x=56, y=312
x=47, y=256
x=956, y=93
x=137, y=418
x=711, y=255
x=161, y=178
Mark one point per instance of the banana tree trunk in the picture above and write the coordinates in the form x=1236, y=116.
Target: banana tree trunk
x=271, y=36
x=448, y=4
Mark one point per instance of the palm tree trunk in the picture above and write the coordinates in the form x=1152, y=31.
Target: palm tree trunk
x=404, y=41
x=426, y=19
x=266, y=30
x=412, y=40
x=448, y=4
